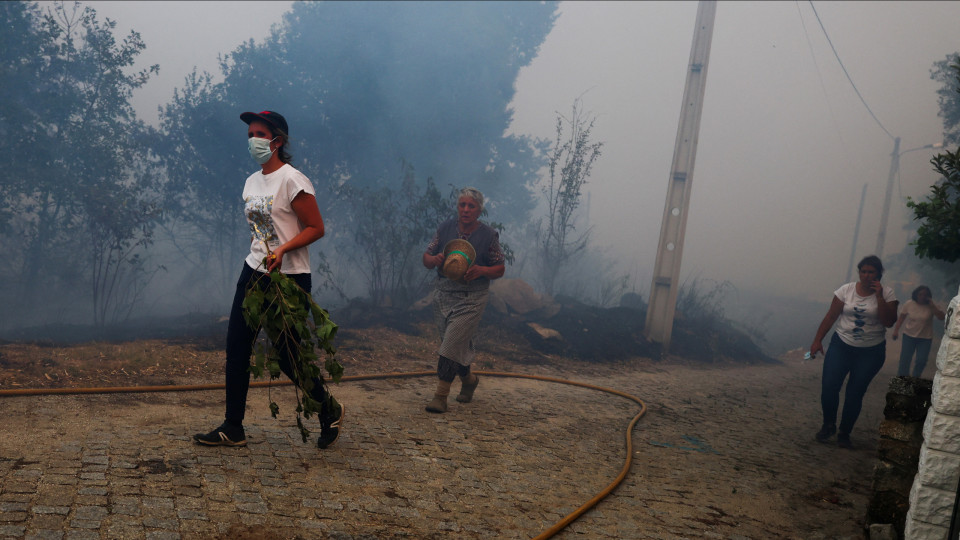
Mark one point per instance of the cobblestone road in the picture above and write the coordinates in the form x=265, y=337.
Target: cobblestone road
x=720, y=454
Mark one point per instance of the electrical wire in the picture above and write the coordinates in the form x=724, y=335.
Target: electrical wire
x=846, y=73
x=823, y=88
x=548, y=533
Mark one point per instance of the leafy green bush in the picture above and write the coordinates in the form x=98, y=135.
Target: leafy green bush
x=286, y=312
x=938, y=236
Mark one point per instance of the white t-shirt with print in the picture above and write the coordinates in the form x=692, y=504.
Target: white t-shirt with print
x=267, y=202
x=859, y=324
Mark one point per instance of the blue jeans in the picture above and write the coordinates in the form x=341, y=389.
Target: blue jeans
x=240, y=338
x=861, y=364
x=907, y=348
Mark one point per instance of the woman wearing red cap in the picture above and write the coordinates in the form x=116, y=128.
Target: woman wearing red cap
x=281, y=210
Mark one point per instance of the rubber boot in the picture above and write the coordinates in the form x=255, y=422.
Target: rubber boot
x=439, y=402
x=467, y=387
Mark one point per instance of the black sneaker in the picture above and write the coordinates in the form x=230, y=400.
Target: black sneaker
x=330, y=426
x=826, y=432
x=225, y=435
x=843, y=441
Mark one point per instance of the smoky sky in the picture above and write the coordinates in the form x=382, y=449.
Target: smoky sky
x=785, y=145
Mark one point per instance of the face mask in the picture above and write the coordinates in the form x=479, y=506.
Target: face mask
x=260, y=149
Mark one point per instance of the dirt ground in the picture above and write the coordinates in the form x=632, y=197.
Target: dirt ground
x=724, y=446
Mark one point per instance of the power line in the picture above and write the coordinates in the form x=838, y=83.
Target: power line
x=823, y=86
x=847, y=74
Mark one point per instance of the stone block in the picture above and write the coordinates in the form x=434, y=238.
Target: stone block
x=888, y=477
x=946, y=394
x=948, y=357
x=888, y=507
x=904, y=455
x=907, y=399
x=939, y=470
x=883, y=531
x=942, y=432
x=931, y=505
x=951, y=325
x=907, y=408
x=517, y=295
x=920, y=530
x=908, y=432
x=909, y=386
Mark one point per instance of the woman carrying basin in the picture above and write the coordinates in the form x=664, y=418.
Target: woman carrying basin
x=467, y=256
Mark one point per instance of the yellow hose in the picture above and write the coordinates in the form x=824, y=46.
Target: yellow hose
x=549, y=533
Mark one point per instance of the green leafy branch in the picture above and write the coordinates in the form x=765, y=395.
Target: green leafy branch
x=938, y=236
x=275, y=303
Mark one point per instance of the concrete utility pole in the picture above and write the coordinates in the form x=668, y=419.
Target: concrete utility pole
x=856, y=234
x=663, y=290
x=894, y=167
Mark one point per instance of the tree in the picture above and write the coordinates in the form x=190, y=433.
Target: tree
x=945, y=72
x=938, y=236
x=120, y=228
x=430, y=83
x=570, y=165
x=390, y=229
x=427, y=82
x=205, y=160
x=81, y=156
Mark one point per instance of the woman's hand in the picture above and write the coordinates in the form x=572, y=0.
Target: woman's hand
x=896, y=327
x=275, y=259
x=886, y=311
x=836, y=307
x=432, y=261
x=474, y=272
x=305, y=207
x=477, y=271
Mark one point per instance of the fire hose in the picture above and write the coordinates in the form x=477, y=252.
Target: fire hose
x=548, y=533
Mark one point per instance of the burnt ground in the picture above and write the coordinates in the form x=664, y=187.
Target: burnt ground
x=588, y=333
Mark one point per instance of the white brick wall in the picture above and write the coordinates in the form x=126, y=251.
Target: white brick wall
x=935, y=486
x=938, y=469
x=946, y=390
x=952, y=324
x=940, y=432
x=948, y=359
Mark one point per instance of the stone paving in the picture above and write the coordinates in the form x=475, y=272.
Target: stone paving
x=518, y=459
x=506, y=466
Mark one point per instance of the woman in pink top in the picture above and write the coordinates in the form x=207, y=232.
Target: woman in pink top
x=916, y=317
